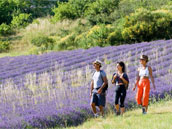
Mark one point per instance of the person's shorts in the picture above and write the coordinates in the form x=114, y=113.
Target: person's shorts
x=98, y=99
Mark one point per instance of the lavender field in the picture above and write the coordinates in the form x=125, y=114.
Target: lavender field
x=52, y=90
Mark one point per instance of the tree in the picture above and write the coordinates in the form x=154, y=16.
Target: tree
x=6, y=9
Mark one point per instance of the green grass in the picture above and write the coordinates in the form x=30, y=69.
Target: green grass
x=159, y=117
x=12, y=53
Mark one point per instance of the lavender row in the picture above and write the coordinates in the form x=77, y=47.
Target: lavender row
x=48, y=95
x=35, y=60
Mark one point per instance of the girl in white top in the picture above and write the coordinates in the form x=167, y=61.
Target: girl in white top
x=143, y=83
x=144, y=72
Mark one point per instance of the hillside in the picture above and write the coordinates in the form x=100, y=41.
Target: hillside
x=159, y=117
x=52, y=90
x=80, y=24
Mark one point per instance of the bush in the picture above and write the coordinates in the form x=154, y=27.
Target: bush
x=64, y=11
x=80, y=6
x=70, y=10
x=67, y=43
x=21, y=21
x=145, y=25
x=83, y=41
x=97, y=36
x=4, y=46
x=115, y=38
x=5, y=29
x=102, y=6
x=6, y=10
x=44, y=42
x=99, y=11
x=67, y=38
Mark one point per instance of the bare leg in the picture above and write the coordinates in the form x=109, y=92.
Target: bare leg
x=93, y=106
x=101, y=110
x=146, y=108
x=117, y=107
x=122, y=110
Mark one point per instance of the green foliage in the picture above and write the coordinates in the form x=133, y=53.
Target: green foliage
x=80, y=6
x=21, y=21
x=97, y=36
x=126, y=7
x=102, y=6
x=67, y=43
x=145, y=25
x=152, y=4
x=4, y=46
x=41, y=8
x=102, y=11
x=67, y=38
x=14, y=9
x=64, y=11
x=35, y=21
x=6, y=10
x=5, y=29
x=22, y=6
x=11, y=11
x=38, y=8
x=83, y=41
x=99, y=11
x=43, y=42
x=128, y=22
x=70, y=10
x=115, y=38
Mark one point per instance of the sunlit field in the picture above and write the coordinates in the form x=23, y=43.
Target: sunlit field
x=158, y=117
x=52, y=90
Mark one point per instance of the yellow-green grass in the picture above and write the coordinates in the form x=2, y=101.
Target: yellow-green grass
x=14, y=53
x=159, y=116
x=21, y=41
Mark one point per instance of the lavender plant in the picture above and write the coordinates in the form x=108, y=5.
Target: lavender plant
x=52, y=90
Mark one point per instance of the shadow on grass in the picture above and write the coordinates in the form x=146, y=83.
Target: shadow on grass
x=140, y=114
x=160, y=113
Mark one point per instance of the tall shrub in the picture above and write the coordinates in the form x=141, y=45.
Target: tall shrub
x=145, y=25
x=21, y=21
x=96, y=36
x=4, y=46
x=71, y=10
x=5, y=29
x=99, y=10
x=43, y=42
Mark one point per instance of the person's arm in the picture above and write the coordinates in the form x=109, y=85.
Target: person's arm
x=123, y=79
x=105, y=81
x=137, y=80
x=92, y=86
x=114, y=78
x=151, y=76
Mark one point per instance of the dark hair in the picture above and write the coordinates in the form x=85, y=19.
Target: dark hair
x=122, y=65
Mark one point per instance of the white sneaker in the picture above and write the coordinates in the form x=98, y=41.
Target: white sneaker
x=102, y=116
x=96, y=115
x=145, y=113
